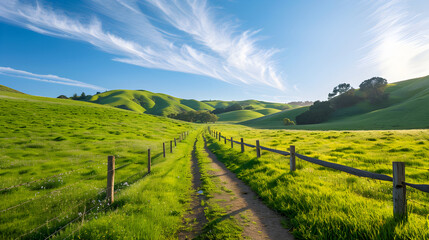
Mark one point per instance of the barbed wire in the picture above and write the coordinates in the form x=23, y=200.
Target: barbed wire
x=59, y=216
x=48, y=178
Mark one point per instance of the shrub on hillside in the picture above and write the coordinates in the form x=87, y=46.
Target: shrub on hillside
x=317, y=113
x=344, y=100
x=63, y=97
x=288, y=122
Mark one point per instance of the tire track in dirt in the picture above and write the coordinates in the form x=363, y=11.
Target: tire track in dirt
x=196, y=217
x=258, y=221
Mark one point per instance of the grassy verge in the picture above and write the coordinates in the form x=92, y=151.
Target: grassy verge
x=61, y=146
x=326, y=204
x=152, y=208
x=220, y=225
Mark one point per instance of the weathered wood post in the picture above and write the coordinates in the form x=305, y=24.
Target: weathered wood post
x=175, y=144
x=216, y=134
x=399, y=191
x=242, y=145
x=110, y=191
x=224, y=140
x=171, y=146
x=220, y=136
x=232, y=143
x=149, y=161
x=258, y=149
x=292, y=158
x=163, y=149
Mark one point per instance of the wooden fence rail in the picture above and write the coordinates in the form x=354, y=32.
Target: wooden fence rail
x=398, y=179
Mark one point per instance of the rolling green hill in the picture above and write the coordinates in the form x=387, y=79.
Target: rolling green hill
x=405, y=109
x=147, y=102
x=142, y=101
x=244, y=115
x=254, y=103
x=237, y=116
x=6, y=89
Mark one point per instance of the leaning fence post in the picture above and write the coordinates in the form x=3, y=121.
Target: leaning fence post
x=163, y=149
x=232, y=143
x=258, y=149
x=292, y=158
x=171, y=146
x=242, y=145
x=149, y=161
x=110, y=191
x=399, y=191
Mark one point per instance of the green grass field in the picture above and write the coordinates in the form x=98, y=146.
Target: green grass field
x=328, y=204
x=66, y=143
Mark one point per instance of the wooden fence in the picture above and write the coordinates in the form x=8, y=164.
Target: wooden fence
x=399, y=184
x=110, y=189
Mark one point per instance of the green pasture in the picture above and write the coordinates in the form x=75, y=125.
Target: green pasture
x=65, y=143
x=327, y=204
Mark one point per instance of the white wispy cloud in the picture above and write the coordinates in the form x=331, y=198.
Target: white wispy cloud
x=183, y=36
x=7, y=71
x=399, y=48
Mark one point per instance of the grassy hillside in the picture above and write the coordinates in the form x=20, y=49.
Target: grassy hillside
x=254, y=103
x=405, y=109
x=6, y=89
x=240, y=115
x=147, y=102
x=60, y=148
x=274, y=120
x=322, y=203
x=244, y=115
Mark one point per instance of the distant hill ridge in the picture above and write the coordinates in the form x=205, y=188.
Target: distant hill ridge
x=143, y=101
x=7, y=89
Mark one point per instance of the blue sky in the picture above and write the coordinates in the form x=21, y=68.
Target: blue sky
x=225, y=49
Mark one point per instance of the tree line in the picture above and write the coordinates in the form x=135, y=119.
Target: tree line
x=195, y=116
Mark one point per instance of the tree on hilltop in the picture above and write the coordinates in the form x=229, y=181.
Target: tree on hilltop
x=340, y=89
x=373, y=89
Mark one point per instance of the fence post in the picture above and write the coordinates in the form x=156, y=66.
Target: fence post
x=110, y=191
x=171, y=146
x=242, y=145
x=224, y=140
x=220, y=136
x=149, y=161
x=399, y=191
x=175, y=142
x=232, y=143
x=163, y=149
x=258, y=149
x=216, y=134
x=292, y=158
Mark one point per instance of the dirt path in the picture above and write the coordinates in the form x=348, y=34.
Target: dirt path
x=257, y=220
x=195, y=219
